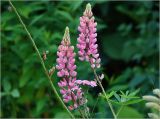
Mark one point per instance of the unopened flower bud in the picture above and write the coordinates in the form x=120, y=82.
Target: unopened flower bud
x=9, y=8
x=100, y=94
x=151, y=98
x=101, y=77
x=51, y=71
x=45, y=54
x=153, y=105
x=153, y=116
x=88, y=10
x=157, y=92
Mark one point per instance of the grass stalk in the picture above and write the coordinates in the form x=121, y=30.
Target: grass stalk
x=41, y=60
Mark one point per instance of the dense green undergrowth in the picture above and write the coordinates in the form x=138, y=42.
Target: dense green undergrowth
x=128, y=45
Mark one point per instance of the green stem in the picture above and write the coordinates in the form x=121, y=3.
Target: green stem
x=81, y=113
x=87, y=113
x=119, y=110
x=95, y=105
x=110, y=105
x=42, y=62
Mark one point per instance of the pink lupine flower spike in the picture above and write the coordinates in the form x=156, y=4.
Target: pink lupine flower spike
x=66, y=70
x=66, y=67
x=87, y=39
x=87, y=45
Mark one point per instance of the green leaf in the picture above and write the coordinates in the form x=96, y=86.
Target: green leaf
x=64, y=15
x=76, y=5
x=25, y=11
x=106, y=77
x=36, y=19
x=61, y=115
x=15, y=93
x=113, y=45
x=123, y=77
x=122, y=92
x=137, y=79
x=40, y=105
x=117, y=96
x=101, y=26
x=118, y=87
x=132, y=101
x=26, y=75
x=127, y=92
x=6, y=85
x=134, y=93
x=128, y=112
x=109, y=95
x=3, y=94
x=101, y=1
x=116, y=102
x=56, y=36
x=53, y=48
x=126, y=96
x=13, y=27
x=125, y=99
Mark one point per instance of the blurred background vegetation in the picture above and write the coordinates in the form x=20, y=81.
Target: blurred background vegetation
x=128, y=45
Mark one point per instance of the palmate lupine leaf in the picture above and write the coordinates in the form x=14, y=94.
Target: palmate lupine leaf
x=125, y=98
x=126, y=102
x=108, y=95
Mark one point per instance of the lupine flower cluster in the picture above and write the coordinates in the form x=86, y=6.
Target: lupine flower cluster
x=87, y=39
x=66, y=67
x=154, y=103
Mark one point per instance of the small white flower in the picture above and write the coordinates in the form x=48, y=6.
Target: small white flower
x=101, y=77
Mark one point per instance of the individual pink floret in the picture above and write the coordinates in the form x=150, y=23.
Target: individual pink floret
x=86, y=82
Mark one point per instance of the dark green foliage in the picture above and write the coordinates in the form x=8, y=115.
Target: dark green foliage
x=128, y=45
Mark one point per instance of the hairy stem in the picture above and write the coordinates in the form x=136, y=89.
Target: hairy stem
x=100, y=84
x=41, y=60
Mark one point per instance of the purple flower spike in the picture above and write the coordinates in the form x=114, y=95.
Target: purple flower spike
x=87, y=39
x=66, y=70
